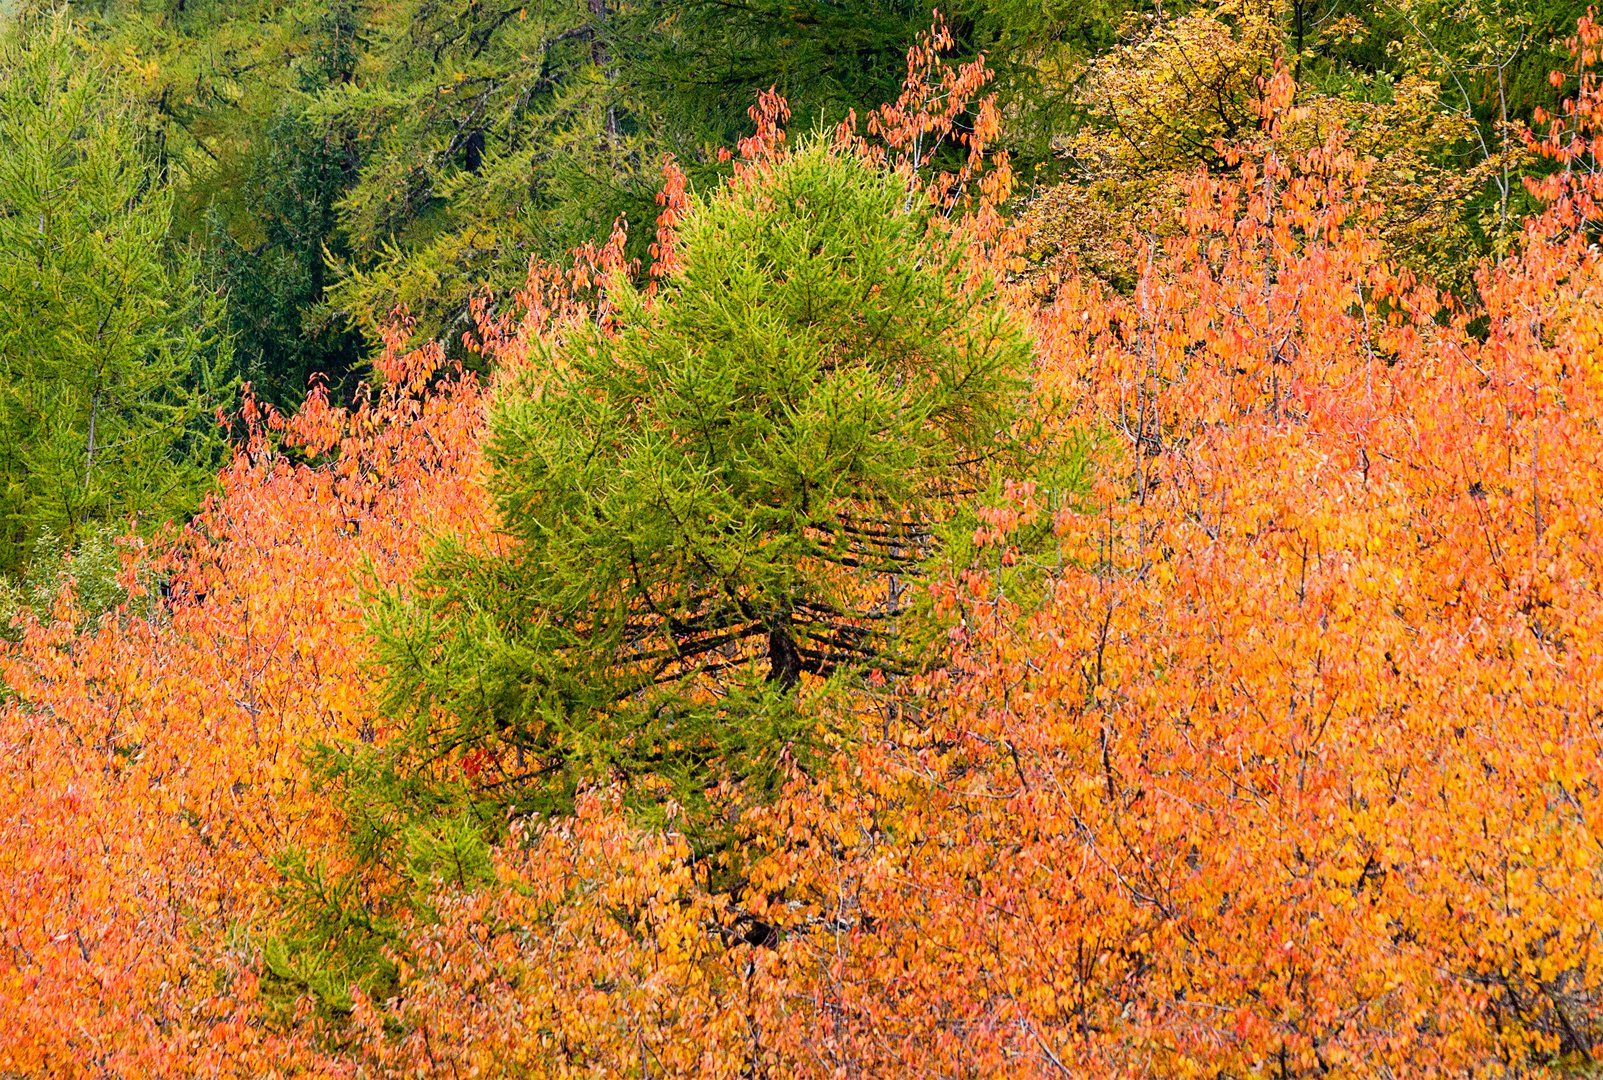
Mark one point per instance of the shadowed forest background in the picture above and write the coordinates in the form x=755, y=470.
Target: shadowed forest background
x=776, y=538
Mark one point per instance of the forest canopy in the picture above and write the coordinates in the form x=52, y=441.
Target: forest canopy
x=643, y=538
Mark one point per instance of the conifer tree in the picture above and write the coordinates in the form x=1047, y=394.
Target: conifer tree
x=110, y=371
x=268, y=249
x=491, y=134
x=713, y=504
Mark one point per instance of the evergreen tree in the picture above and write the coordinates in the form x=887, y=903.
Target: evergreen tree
x=710, y=513
x=110, y=365
x=504, y=130
x=229, y=95
x=699, y=63
x=491, y=133
x=268, y=247
x=456, y=140
x=703, y=61
x=713, y=505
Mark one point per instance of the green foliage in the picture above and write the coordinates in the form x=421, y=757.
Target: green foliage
x=111, y=365
x=824, y=57
x=93, y=567
x=717, y=500
x=229, y=92
x=341, y=929
x=711, y=510
x=266, y=247
x=335, y=160
x=332, y=940
x=503, y=131
x=491, y=133
x=456, y=140
x=700, y=62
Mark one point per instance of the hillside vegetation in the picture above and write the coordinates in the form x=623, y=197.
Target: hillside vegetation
x=801, y=540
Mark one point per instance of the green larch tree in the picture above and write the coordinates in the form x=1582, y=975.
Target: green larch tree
x=714, y=504
x=709, y=513
x=110, y=367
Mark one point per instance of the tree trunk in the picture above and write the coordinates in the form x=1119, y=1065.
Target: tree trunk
x=785, y=663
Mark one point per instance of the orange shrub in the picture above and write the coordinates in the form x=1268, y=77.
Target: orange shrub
x=1294, y=770
x=152, y=770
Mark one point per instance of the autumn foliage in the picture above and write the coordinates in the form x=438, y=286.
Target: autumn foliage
x=1269, y=746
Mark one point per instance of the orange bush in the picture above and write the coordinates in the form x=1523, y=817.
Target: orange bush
x=152, y=770
x=1294, y=769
